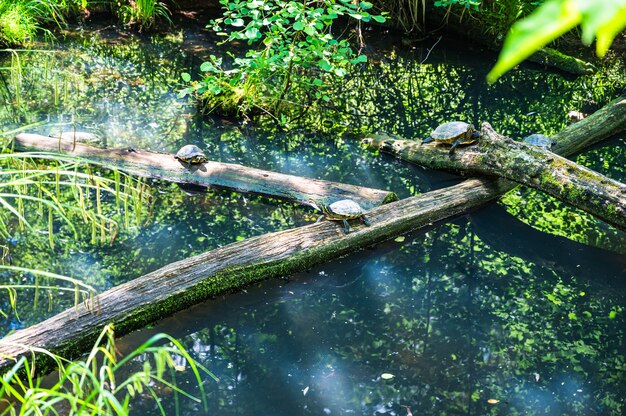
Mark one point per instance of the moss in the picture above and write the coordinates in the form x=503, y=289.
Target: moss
x=556, y=59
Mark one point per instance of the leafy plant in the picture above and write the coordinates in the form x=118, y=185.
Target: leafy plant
x=600, y=19
x=100, y=384
x=295, y=54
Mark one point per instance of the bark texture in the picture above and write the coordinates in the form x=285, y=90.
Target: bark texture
x=224, y=175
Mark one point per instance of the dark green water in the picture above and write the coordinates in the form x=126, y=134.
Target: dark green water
x=488, y=306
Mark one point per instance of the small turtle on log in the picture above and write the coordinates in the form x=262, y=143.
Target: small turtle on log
x=343, y=210
x=454, y=133
x=539, y=140
x=191, y=154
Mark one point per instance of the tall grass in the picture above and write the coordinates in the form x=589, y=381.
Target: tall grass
x=100, y=384
x=20, y=20
x=69, y=192
x=143, y=13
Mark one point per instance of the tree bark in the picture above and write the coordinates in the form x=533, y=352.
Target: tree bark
x=499, y=156
x=224, y=175
x=179, y=285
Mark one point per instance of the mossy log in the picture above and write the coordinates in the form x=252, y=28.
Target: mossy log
x=552, y=57
x=177, y=286
x=499, y=156
x=223, y=175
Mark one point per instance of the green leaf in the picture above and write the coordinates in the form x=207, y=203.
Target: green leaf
x=379, y=19
x=206, y=67
x=366, y=5
x=236, y=22
x=298, y=25
x=603, y=21
x=252, y=33
x=310, y=30
x=359, y=59
x=185, y=76
x=550, y=20
x=340, y=72
x=325, y=65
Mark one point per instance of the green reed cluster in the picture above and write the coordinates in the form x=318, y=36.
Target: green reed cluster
x=100, y=383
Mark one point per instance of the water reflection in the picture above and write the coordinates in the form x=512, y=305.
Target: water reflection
x=456, y=321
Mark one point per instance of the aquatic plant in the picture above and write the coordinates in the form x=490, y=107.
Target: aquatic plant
x=294, y=53
x=101, y=384
x=143, y=13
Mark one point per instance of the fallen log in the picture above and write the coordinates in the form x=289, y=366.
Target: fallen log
x=179, y=285
x=499, y=156
x=165, y=166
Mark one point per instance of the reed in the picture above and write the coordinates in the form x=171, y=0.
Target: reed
x=144, y=13
x=100, y=384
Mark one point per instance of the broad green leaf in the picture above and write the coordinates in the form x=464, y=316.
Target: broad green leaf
x=252, y=33
x=236, y=22
x=609, y=29
x=185, y=76
x=379, y=19
x=298, y=25
x=550, y=20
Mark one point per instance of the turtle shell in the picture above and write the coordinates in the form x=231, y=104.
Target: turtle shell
x=453, y=131
x=538, y=140
x=191, y=154
x=344, y=208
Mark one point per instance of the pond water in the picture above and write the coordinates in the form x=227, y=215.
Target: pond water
x=495, y=312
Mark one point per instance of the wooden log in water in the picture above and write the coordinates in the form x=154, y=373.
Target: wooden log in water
x=499, y=156
x=224, y=175
x=179, y=285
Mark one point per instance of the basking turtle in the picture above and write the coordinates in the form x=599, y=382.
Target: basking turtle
x=191, y=154
x=539, y=140
x=454, y=133
x=344, y=210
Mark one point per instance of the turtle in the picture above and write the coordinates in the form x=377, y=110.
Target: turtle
x=539, y=140
x=343, y=210
x=191, y=154
x=454, y=133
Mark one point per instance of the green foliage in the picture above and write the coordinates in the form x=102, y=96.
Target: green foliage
x=468, y=4
x=143, y=13
x=20, y=19
x=601, y=19
x=101, y=384
x=294, y=56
